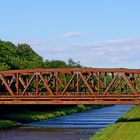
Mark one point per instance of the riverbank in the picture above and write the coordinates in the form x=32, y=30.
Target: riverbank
x=77, y=126
x=5, y=124
x=16, y=119
x=126, y=128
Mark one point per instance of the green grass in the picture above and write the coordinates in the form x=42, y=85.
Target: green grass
x=132, y=115
x=119, y=131
x=7, y=124
x=126, y=128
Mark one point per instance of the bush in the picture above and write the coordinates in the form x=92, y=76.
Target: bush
x=50, y=116
x=57, y=114
x=81, y=108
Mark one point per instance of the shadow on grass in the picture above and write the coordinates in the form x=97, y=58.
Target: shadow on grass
x=128, y=120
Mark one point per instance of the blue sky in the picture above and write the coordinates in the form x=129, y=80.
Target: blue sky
x=98, y=33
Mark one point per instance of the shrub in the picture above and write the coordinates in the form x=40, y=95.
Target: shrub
x=50, y=116
x=81, y=108
x=57, y=114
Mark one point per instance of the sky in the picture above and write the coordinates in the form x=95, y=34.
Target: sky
x=96, y=33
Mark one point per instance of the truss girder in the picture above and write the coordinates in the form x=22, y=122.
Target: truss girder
x=70, y=86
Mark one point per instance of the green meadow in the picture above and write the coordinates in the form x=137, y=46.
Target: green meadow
x=126, y=128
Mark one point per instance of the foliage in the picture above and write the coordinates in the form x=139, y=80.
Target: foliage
x=7, y=124
x=28, y=116
x=81, y=108
x=22, y=56
x=72, y=63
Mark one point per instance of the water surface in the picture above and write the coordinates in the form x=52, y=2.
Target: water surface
x=73, y=127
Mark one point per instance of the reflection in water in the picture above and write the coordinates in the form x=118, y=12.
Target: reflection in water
x=73, y=127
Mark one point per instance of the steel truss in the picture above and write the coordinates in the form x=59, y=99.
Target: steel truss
x=70, y=86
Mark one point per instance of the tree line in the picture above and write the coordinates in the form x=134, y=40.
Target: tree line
x=22, y=56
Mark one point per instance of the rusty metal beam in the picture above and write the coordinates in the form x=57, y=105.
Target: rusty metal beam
x=70, y=86
x=95, y=102
x=45, y=83
x=111, y=83
x=28, y=84
x=86, y=83
x=129, y=83
x=6, y=85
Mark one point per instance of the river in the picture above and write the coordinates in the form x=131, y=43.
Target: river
x=79, y=126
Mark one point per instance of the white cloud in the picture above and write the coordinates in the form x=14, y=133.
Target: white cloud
x=109, y=53
x=117, y=42
x=73, y=35
x=118, y=59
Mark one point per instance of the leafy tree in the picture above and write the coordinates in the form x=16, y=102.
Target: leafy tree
x=55, y=64
x=4, y=66
x=22, y=56
x=72, y=63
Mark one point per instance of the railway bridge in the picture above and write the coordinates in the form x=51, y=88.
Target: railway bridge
x=70, y=86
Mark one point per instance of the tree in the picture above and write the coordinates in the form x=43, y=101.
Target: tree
x=22, y=56
x=73, y=64
x=55, y=64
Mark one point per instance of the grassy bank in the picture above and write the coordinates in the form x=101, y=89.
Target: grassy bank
x=4, y=124
x=126, y=128
x=30, y=116
x=132, y=115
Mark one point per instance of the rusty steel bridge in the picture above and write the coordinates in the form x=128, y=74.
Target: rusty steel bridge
x=70, y=86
